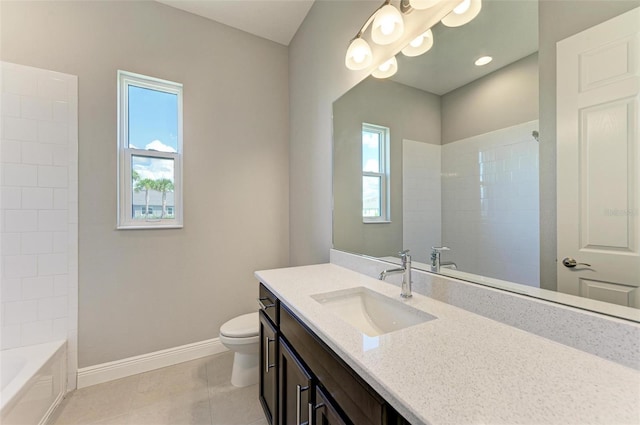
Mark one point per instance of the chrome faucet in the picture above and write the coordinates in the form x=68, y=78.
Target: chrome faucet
x=406, y=273
x=435, y=257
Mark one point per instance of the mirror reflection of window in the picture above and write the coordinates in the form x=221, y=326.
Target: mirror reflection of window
x=375, y=173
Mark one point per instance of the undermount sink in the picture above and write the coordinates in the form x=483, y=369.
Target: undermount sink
x=370, y=312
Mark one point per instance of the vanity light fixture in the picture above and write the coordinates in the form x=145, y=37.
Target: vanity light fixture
x=387, y=27
x=386, y=69
x=419, y=45
x=483, y=60
x=463, y=13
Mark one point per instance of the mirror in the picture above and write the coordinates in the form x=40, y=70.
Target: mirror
x=446, y=153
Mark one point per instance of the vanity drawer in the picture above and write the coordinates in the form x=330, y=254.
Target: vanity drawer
x=269, y=304
x=358, y=401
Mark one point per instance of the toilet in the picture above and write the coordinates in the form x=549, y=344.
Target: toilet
x=240, y=335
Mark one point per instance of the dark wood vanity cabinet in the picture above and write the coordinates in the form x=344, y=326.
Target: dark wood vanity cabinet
x=268, y=366
x=325, y=412
x=268, y=359
x=314, y=386
x=296, y=387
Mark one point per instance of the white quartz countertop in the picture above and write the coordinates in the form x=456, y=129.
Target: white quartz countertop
x=462, y=368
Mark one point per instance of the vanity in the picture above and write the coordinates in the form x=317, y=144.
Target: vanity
x=310, y=383
x=321, y=365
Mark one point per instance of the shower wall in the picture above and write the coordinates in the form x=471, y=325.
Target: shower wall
x=490, y=204
x=421, y=198
x=39, y=206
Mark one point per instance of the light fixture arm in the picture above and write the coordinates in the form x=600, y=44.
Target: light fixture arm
x=405, y=7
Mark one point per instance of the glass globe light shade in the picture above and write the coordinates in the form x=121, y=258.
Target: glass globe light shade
x=359, y=55
x=386, y=69
x=419, y=45
x=423, y=4
x=463, y=13
x=388, y=25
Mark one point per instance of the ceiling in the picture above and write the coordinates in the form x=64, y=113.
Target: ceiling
x=275, y=20
x=505, y=30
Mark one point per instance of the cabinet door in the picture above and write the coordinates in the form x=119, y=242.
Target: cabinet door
x=326, y=413
x=268, y=369
x=295, y=388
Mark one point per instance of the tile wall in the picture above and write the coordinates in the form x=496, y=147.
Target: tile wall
x=421, y=194
x=490, y=204
x=39, y=207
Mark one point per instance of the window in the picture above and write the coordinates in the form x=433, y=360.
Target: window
x=375, y=174
x=149, y=152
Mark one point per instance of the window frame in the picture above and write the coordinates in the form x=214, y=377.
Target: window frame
x=384, y=174
x=125, y=154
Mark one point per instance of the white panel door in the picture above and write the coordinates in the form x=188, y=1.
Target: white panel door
x=598, y=86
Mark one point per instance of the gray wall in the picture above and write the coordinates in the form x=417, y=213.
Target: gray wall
x=318, y=77
x=409, y=113
x=146, y=290
x=559, y=19
x=504, y=98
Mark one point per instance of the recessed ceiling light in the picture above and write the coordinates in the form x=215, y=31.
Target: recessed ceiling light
x=483, y=60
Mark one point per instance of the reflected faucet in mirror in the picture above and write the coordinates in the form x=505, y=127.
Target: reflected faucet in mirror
x=406, y=273
x=435, y=257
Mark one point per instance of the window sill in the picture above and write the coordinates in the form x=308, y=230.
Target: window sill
x=376, y=222
x=151, y=227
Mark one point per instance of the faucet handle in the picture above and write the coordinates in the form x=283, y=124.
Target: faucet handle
x=404, y=253
x=440, y=248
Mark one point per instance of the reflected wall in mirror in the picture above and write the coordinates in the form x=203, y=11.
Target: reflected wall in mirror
x=462, y=168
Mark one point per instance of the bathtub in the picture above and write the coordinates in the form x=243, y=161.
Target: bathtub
x=33, y=382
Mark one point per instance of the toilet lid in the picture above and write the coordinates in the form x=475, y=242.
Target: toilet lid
x=242, y=326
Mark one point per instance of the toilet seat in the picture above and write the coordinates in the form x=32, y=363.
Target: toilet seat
x=246, y=340
x=245, y=326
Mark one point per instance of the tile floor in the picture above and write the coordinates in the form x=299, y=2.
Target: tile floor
x=193, y=393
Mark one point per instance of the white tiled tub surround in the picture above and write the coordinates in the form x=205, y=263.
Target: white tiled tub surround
x=461, y=368
x=604, y=336
x=490, y=205
x=39, y=206
x=421, y=198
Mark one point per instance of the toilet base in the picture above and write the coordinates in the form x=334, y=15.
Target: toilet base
x=245, y=370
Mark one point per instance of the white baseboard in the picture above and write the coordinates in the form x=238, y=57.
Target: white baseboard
x=110, y=371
